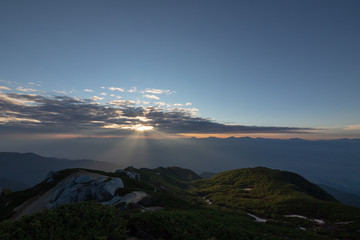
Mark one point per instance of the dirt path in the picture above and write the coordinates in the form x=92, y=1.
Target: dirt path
x=134, y=197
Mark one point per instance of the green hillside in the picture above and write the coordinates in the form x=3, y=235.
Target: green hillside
x=270, y=193
x=181, y=205
x=276, y=195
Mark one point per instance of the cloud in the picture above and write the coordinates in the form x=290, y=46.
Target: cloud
x=154, y=91
x=22, y=89
x=17, y=119
x=35, y=84
x=169, y=92
x=62, y=114
x=178, y=105
x=7, y=82
x=158, y=91
x=122, y=102
x=151, y=91
x=12, y=99
x=162, y=104
x=151, y=96
x=88, y=90
x=116, y=89
x=104, y=94
x=183, y=121
x=352, y=127
x=4, y=88
x=188, y=104
x=132, y=90
x=95, y=98
x=60, y=92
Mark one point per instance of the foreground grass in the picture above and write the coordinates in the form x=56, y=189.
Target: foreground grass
x=81, y=221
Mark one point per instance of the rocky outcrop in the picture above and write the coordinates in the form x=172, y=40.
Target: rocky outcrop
x=107, y=190
x=83, y=188
x=49, y=177
x=133, y=175
x=130, y=174
x=83, y=179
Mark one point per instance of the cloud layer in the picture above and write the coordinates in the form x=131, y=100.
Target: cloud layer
x=38, y=113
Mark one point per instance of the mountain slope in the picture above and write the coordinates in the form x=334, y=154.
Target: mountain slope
x=264, y=191
x=13, y=185
x=257, y=203
x=343, y=196
x=279, y=196
x=30, y=168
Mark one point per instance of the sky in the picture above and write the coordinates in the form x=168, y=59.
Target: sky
x=277, y=69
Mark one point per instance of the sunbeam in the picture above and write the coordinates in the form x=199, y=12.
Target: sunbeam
x=127, y=151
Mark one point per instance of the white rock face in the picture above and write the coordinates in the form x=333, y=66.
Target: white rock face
x=84, y=188
x=83, y=179
x=106, y=191
x=112, y=185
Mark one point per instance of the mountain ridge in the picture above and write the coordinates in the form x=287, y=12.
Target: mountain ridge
x=257, y=203
x=30, y=168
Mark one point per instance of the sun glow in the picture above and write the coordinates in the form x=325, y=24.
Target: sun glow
x=140, y=127
x=137, y=127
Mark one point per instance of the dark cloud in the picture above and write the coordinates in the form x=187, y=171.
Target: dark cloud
x=184, y=122
x=36, y=113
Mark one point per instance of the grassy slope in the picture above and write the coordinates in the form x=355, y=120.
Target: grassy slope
x=187, y=216
x=272, y=194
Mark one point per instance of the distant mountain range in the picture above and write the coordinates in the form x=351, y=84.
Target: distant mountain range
x=13, y=185
x=21, y=170
x=334, y=163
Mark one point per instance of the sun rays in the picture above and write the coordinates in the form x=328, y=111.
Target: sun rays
x=143, y=128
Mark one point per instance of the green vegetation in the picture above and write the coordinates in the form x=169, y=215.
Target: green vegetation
x=210, y=224
x=168, y=187
x=181, y=212
x=272, y=193
x=173, y=178
x=82, y=221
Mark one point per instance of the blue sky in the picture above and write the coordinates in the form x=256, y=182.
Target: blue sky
x=248, y=63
